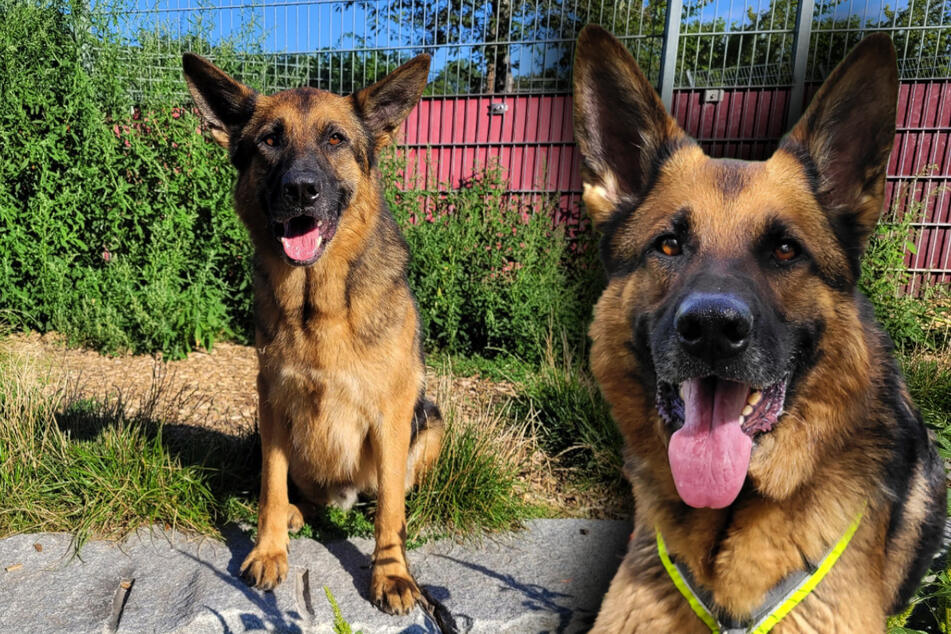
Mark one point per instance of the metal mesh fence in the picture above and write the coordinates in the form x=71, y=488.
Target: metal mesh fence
x=495, y=47
x=739, y=74
x=731, y=44
x=504, y=47
x=920, y=29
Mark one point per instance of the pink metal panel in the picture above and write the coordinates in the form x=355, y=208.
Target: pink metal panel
x=446, y=140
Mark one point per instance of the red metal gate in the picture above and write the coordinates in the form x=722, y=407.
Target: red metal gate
x=448, y=139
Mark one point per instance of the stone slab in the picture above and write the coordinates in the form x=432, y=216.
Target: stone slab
x=547, y=578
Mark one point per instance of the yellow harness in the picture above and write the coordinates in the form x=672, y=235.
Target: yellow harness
x=784, y=596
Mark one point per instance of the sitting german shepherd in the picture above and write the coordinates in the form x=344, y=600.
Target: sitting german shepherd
x=781, y=472
x=341, y=375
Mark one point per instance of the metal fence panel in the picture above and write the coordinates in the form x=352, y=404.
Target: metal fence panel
x=733, y=89
x=495, y=47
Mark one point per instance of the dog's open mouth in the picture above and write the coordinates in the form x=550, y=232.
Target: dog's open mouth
x=715, y=421
x=304, y=238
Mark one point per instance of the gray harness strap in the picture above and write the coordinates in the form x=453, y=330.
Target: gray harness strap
x=775, y=597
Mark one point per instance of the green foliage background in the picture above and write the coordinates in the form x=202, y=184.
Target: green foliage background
x=115, y=224
x=117, y=228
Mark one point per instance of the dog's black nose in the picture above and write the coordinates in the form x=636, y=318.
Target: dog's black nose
x=713, y=326
x=300, y=188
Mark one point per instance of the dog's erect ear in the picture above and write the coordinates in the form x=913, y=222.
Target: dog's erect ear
x=621, y=126
x=226, y=104
x=385, y=104
x=844, y=139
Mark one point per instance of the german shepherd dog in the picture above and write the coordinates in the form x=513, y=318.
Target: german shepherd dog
x=768, y=431
x=341, y=375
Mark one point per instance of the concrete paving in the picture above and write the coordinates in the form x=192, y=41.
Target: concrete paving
x=547, y=578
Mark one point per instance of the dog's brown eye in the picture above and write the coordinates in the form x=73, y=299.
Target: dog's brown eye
x=786, y=250
x=669, y=245
x=335, y=139
x=270, y=140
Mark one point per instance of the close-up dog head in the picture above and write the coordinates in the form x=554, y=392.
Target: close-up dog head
x=733, y=280
x=302, y=155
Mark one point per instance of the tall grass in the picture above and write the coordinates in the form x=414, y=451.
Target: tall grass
x=103, y=467
x=86, y=467
x=924, y=322
x=573, y=422
x=476, y=484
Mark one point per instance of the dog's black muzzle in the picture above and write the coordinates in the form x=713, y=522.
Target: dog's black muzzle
x=304, y=206
x=718, y=326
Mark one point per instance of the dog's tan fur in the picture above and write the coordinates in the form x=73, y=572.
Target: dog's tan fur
x=340, y=365
x=834, y=450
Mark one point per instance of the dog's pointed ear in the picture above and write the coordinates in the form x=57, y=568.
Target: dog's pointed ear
x=384, y=105
x=845, y=137
x=226, y=104
x=621, y=126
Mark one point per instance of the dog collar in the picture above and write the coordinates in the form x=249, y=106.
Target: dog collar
x=780, y=600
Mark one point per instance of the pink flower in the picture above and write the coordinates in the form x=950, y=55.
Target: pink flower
x=106, y=255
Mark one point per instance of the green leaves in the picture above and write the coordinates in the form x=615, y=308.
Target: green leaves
x=910, y=321
x=491, y=274
x=116, y=214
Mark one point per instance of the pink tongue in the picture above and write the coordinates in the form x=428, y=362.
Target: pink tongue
x=300, y=244
x=710, y=454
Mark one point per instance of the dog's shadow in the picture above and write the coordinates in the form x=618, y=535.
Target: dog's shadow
x=353, y=561
x=233, y=465
x=268, y=614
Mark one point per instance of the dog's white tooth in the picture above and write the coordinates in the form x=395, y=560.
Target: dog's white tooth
x=754, y=397
x=747, y=410
x=680, y=390
x=320, y=223
x=742, y=419
x=320, y=239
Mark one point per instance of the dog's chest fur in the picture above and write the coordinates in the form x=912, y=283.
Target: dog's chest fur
x=325, y=371
x=329, y=418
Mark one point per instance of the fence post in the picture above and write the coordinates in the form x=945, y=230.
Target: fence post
x=668, y=55
x=800, y=55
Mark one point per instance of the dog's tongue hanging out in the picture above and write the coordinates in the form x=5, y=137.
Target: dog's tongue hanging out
x=709, y=456
x=301, y=238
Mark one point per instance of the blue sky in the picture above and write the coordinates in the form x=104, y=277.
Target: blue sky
x=307, y=25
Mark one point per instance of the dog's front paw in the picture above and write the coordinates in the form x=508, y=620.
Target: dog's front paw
x=265, y=569
x=393, y=593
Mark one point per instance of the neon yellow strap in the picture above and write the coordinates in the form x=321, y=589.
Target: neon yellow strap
x=809, y=584
x=699, y=609
x=785, y=607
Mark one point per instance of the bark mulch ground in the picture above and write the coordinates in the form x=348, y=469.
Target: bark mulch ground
x=215, y=390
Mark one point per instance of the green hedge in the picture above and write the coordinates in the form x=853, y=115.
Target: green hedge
x=117, y=228
x=491, y=276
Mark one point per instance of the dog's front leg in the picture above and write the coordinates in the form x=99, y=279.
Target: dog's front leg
x=266, y=565
x=392, y=587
